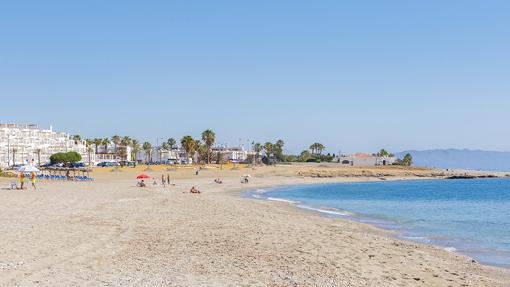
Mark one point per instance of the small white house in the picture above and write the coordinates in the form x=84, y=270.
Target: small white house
x=363, y=159
x=232, y=154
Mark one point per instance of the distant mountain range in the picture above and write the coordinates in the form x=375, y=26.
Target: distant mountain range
x=460, y=159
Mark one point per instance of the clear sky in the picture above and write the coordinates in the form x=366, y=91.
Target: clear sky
x=353, y=75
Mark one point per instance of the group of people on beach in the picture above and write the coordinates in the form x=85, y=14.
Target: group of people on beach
x=22, y=176
x=165, y=180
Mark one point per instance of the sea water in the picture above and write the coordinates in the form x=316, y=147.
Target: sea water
x=468, y=216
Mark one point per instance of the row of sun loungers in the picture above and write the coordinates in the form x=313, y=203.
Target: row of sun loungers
x=63, y=177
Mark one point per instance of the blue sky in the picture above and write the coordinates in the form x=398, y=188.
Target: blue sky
x=353, y=75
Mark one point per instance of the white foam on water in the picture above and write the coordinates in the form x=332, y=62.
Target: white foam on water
x=450, y=249
x=281, y=200
x=326, y=211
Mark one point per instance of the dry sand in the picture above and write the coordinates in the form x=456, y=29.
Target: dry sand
x=111, y=233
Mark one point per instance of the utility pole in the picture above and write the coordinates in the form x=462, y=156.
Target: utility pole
x=8, y=149
x=157, y=148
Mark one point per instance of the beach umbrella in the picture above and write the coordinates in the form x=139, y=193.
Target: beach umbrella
x=28, y=168
x=142, y=176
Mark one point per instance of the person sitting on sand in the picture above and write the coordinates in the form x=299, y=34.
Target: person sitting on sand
x=141, y=184
x=218, y=180
x=194, y=190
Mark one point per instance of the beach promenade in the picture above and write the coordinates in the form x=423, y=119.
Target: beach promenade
x=111, y=233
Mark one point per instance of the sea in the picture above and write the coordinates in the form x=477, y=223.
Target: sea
x=470, y=216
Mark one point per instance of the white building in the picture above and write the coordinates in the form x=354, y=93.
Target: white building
x=363, y=159
x=175, y=155
x=22, y=144
x=179, y=156
x=232, y=154
x=110, y=153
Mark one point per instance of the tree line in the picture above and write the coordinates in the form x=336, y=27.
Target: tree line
x=267, y=153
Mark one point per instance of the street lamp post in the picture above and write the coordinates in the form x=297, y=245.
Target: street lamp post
x=8, y=149
x=157, y=148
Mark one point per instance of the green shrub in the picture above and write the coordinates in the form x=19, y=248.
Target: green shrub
x=68, y=157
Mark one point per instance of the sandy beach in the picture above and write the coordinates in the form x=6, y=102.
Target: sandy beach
x=111, y=233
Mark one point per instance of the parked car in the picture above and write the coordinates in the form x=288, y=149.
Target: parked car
x=78, y=165
x=107, y=164
x=127, y=163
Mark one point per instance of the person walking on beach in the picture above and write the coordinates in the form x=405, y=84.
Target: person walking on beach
x=21, y=179
x=168, y=178
x=32, y=178
x=163, y=180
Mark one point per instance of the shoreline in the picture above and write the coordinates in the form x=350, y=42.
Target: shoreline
x=109, y=232
x=330, y=212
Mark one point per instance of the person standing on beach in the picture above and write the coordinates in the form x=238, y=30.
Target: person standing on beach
x=168, y=178
x=32, y=178
x=21, y=179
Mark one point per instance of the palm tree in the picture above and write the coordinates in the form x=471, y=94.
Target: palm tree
x=89, y=150
x=188, y=144
x=14, y=150
x=97, y=143
x=383, y=153
x=135, y=148
x=105, y=142
x=171, y=142
x=278, y=150
x=313, y=148
x=407, y=160
x=257, y=148
x=76, y=139
x=317, y=148
x=164, y=147
x=116, y=142
x=147, y=147
x=88, y=144
x=124, y=143
x=209, y=137
x=268, y=147
x=203, y=151
x=321, y=148
x=219, y=157
x=198, y=144
x=38, y=153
